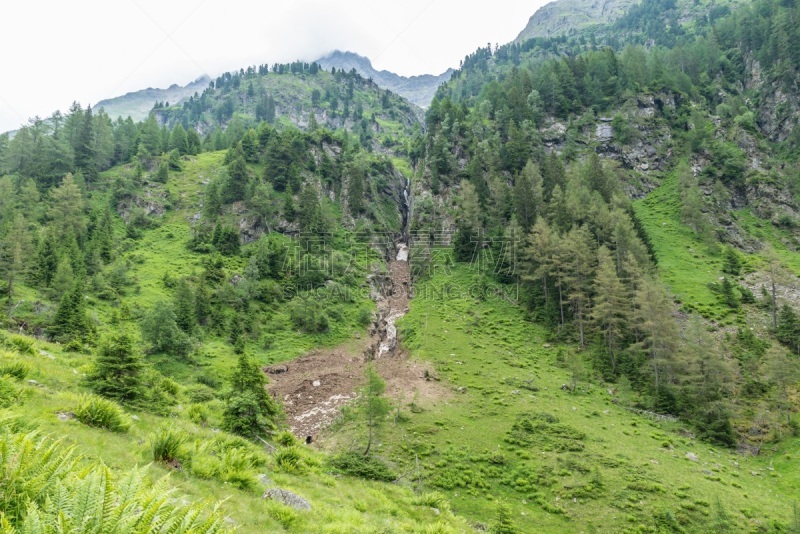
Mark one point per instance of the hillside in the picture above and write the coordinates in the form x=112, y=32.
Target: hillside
x=565, y=17
x=138, y=104
x=299, y=94
x=562, y=300
x=417, y=89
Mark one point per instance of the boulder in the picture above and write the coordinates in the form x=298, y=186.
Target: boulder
x=288, y=498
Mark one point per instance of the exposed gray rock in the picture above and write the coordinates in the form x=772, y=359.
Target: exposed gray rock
x=288, y=498
x=692, y=457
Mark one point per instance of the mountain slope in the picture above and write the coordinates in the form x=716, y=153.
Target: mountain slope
x=565, y=16
x=417, y=89
x=137, y=105
x=298, y=94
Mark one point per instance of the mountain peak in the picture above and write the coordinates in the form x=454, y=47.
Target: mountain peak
x=417, y=89
x=563, y=16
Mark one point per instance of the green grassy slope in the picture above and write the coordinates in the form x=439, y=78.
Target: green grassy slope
x=339, y=504
x=598, y=468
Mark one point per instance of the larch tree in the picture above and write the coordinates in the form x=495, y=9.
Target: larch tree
x=657, y=329
x=577, y=256
x=611, y=309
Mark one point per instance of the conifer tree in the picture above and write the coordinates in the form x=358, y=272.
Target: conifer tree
x=70, y=322
x=611, y=306
x=372, y=405
x=179, y=140
x=249, y=409
x=657, y=331
x=118, y=369
x=184, y=303
x=235, y=186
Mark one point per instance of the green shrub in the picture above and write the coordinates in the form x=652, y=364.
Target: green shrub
x=15, y=369
x=8, y=393
x=200, y=393
x=101, y=413
x=358, y=465
x=166, y=445
x=433, y=500
x=22, y=344
x=289, y=459
x=281, y=513
x=198, y=414
x=286, y=439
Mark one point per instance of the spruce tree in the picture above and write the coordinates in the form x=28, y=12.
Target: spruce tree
x=119, y=367
x=249, y=409
x=70, y=322
x=184, y=303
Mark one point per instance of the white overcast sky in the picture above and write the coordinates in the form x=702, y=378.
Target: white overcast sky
x=54, y=51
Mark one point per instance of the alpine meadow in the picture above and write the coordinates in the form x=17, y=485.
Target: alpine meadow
x=555, y=289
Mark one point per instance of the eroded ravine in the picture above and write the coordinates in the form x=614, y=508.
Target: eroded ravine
x=313, y=388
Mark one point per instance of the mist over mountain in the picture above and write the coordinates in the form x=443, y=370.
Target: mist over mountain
x=418, y=89
x=138, y=104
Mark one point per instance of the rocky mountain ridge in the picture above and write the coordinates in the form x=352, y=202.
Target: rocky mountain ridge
x=418, y=89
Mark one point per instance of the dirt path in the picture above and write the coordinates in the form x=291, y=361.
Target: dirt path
x=313, y=388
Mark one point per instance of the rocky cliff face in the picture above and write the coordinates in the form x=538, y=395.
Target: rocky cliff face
x=417, y=89
x=562, y=17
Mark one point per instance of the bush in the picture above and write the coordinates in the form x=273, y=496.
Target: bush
x=289, y=459
x=101, y=413
x=286, y=439
x=8, y=393
x=198, y=414
x=200, y=393
x=358, y=465
x=15, y=369
x=22, y=344
x=166, y=445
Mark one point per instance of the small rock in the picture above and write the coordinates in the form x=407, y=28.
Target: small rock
x=515, y=392
x=46, y=354
x=755, y=473
x=461, y=389
x=692, y=457
x=277, y=369
x=436, y=511
x=547, y=345
x=316, y=383
x=135, y=417
x=358, y=336
x=707, y=472
x=288, y=498
x=65, y=416
x=264, y=479
x=34, y=383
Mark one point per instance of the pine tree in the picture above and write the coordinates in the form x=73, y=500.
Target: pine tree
x=611, y=308
x=46, y=260
x=118, y=369
x=184, y=303
x=372, y=405
x=84, y=149
x=235, y=186
x=66, y=208
x=527, y=200
x=179, y=140
x=503, y=523
x=249, y=409
x=70, y=322
x=657, y=331
x=731, y=262
x=577, y=257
